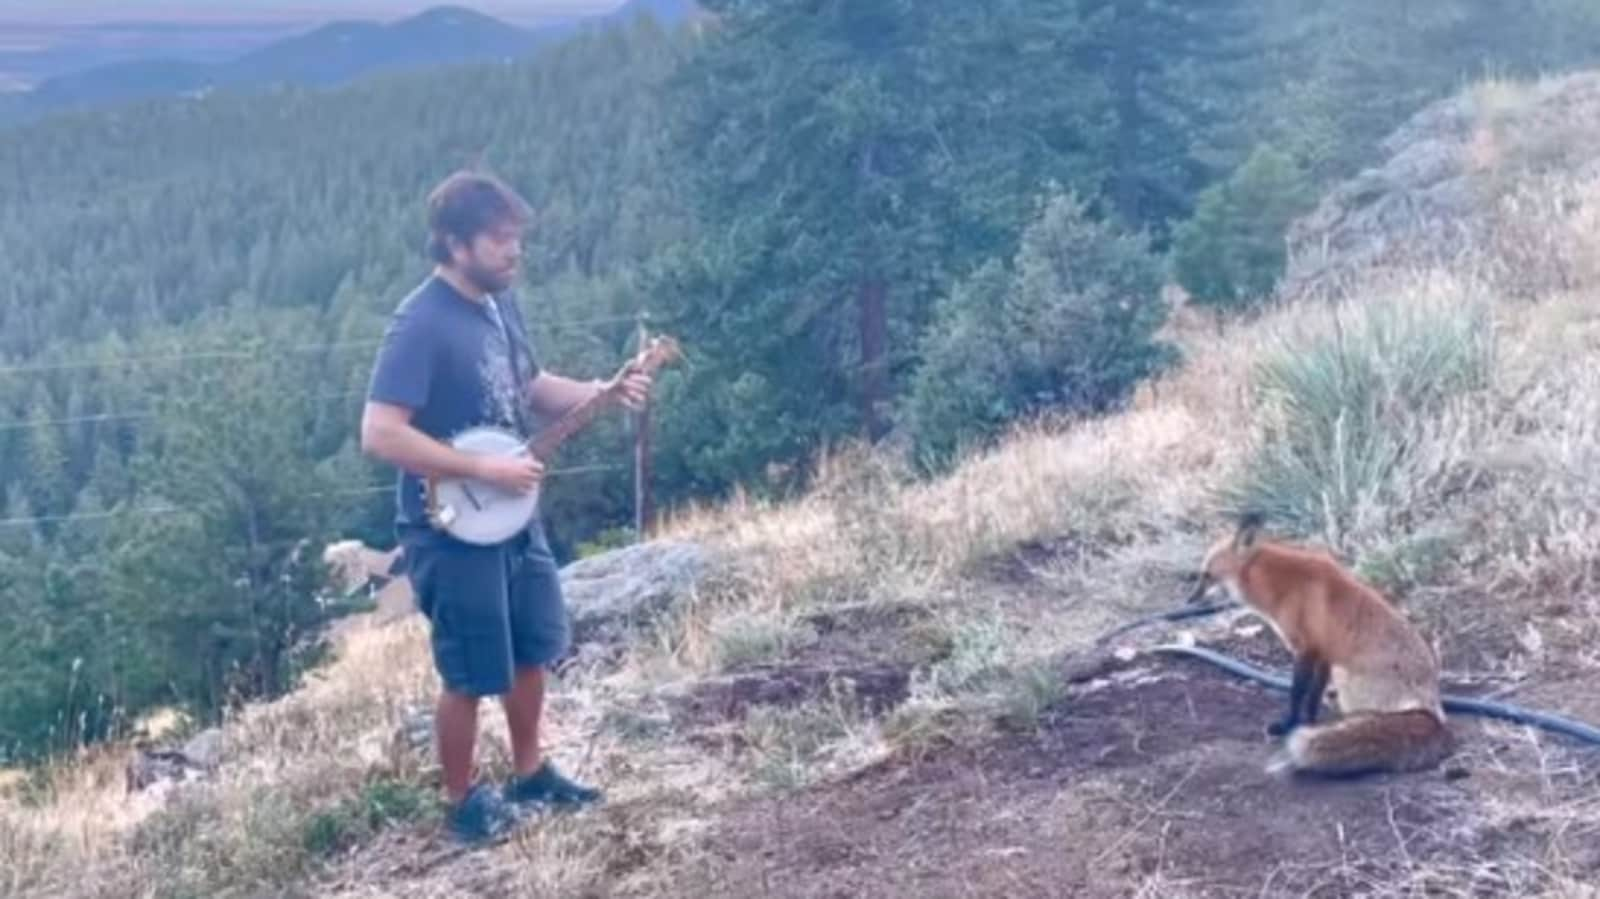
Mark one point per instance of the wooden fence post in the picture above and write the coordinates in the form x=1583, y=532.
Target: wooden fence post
x=642, y=505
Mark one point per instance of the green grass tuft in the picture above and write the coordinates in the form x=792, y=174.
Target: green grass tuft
x=1354, y=419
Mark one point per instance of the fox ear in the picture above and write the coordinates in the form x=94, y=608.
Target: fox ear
x=1249, y=528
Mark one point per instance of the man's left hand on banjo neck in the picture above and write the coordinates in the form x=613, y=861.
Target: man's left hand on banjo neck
x=552, y=395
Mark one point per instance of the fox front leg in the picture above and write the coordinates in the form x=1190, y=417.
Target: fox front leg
x=1305, y=672
x=1314, y=692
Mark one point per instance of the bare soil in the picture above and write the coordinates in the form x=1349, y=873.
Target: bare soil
x=1150, y=781
x=1145, y=779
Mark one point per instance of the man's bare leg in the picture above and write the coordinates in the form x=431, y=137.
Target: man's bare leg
x=524, y=707
x=456, y=733
x=536, y=780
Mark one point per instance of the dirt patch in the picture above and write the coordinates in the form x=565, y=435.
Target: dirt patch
x=1019, y=566
x=861, y=654
x=875, y=689
x=898, y=635
x=857, y=662
x=1150, y=779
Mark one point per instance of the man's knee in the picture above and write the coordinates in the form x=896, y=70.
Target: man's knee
x=459, y=699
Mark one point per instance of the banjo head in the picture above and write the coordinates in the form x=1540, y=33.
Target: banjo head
x=477, y=511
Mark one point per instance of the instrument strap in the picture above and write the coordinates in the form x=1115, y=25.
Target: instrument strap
x=516, y=370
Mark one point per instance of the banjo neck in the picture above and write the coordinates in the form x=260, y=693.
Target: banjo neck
x=545, y=443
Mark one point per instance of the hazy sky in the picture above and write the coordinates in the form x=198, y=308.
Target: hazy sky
x=59, y=11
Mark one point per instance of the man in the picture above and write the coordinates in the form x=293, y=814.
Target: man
x=456, y=355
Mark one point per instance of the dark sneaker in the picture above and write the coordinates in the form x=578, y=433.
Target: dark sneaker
x=548, y=785
x=482, y=817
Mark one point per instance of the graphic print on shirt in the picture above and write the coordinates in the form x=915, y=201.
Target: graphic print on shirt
x=501, y=392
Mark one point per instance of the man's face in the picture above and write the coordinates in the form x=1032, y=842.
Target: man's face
x=491, y=260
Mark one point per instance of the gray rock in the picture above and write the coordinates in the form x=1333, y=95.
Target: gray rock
x=204, y=749
x=610, y=592
x=149, y=767
x=412, y=746
x=414, y=735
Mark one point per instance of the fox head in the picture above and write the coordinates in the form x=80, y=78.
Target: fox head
x=1228, y=556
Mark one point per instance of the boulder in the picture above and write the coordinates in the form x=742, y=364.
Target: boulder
x=611, y=592
x=204, y=749
x=197, y=758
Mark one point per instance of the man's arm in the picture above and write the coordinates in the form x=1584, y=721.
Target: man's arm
x=387, y=433
x=553, y=395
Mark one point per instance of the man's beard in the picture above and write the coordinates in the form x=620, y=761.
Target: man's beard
x=489, y=280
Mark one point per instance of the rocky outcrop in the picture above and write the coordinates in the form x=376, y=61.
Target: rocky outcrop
x=610, y=592
x=1447, y=181
x=196, y=759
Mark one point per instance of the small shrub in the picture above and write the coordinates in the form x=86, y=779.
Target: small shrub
x=1029, y=690
x=1354, y=422
x=356, y=819
x=1231, y=253
x=753, y=638
x=1068, y=326
x=799, y=746
x=1408, y=560
x=605, y=541
x=214, y=845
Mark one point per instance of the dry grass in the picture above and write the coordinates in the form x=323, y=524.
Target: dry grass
x=1490, y=489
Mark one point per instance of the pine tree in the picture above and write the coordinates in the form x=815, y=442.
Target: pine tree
x=48, y=487
x=1068, y=326
x=833, y=205
x=1232, y=252
x=1174, y=73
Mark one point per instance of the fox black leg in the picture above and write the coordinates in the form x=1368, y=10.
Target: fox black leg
x=1317, y=686
x=1304, y=673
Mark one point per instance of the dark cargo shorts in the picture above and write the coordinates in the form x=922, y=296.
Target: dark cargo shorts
x=492, y=609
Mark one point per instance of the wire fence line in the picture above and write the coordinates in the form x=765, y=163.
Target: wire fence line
x=640, y=462
x=210, y=355
x=23, y=424
x=32, y=520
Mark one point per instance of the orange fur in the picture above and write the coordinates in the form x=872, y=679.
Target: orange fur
x=1340, y=628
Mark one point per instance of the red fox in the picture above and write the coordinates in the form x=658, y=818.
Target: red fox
x=1386, y=675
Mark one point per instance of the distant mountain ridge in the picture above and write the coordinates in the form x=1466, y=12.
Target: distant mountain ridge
x=328, y=55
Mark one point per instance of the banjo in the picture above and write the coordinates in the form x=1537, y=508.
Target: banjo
x=483, y=513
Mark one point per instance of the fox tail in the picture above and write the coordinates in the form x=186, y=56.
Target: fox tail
x=1367, y=743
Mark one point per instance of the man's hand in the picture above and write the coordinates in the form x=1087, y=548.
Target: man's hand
x=635, y=390
x=555, y=395
x=517, y=474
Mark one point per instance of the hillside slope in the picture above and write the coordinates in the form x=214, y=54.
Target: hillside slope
x=1460, y=175
x=886, y=687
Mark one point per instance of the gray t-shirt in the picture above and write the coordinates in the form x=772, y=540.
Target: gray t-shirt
x=446, y=357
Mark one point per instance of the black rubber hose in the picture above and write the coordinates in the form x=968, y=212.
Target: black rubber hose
x=1179, y=614
x=1466, y=705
